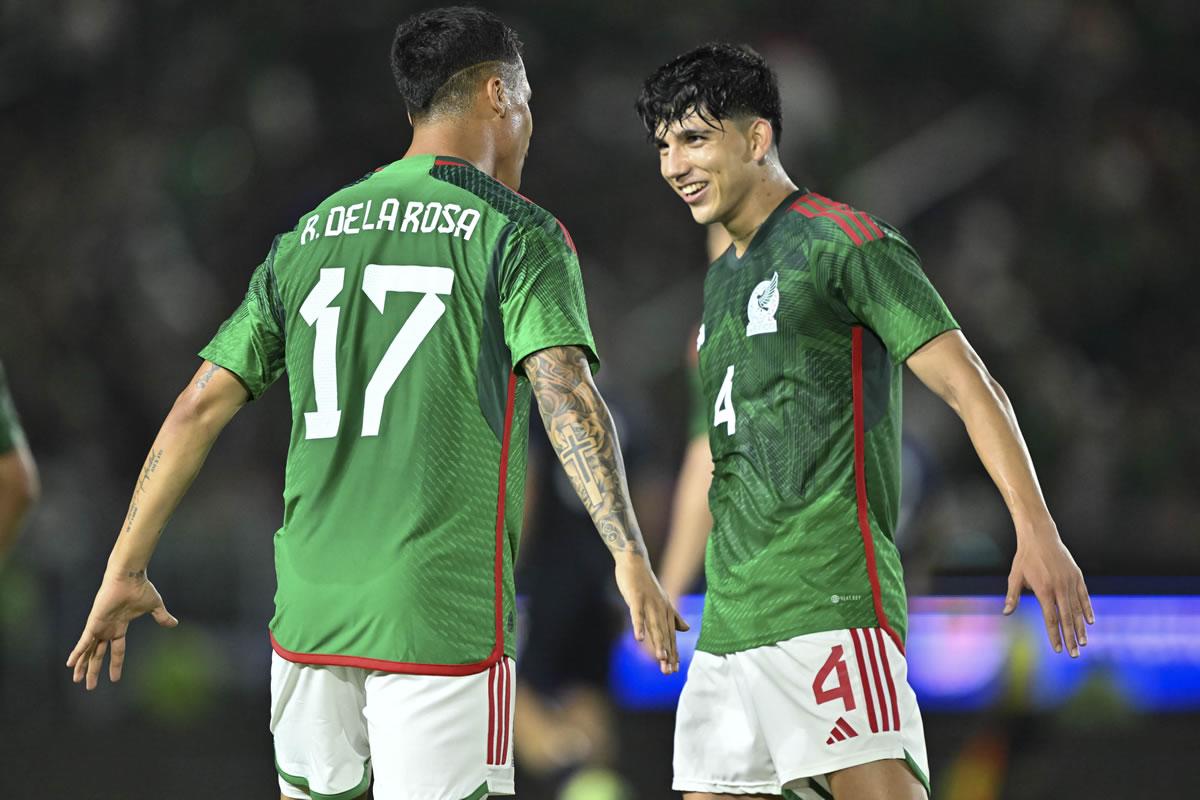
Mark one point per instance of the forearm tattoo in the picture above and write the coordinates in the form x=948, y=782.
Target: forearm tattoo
x=140, y=490
x=582, y=433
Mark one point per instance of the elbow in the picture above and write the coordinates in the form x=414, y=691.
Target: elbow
x=205, y=410
x=970, y=383
x=19, y=483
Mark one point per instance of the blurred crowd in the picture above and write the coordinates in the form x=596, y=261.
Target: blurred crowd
x=1041, y=155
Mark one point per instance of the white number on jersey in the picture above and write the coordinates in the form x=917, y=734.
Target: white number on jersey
x=723, y=411
x=378, y=280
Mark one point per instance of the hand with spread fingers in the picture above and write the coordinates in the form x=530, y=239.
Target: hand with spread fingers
x=121, y=599
x=654, y=618
x=1044, y=565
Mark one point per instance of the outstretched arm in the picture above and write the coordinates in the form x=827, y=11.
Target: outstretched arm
x=951, y=368
x=582, y=433
x=691, y=520
x=201, y=411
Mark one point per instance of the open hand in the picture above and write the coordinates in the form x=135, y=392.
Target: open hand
x=120, y=600
x=1044, y=564
x=654, y=619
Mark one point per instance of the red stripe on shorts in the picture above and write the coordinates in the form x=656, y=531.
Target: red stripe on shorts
x=862, y=674
x=887, y=673
x=491, y=734
x=508, y=690
x=883, y=709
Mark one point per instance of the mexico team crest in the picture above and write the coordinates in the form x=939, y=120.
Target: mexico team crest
x=760, y=311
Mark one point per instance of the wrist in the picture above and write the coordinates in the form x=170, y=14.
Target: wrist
x=632, y=555
x=123, y=570
x=1035, y=530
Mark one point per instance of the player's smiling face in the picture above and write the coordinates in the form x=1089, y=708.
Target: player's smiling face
x=710, y=168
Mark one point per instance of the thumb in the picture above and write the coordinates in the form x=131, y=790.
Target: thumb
x=1013, y=597
x=164, y=617
x=681, y=624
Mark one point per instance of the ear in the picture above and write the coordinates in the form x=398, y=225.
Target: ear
x=497, y=95
x=761, y=137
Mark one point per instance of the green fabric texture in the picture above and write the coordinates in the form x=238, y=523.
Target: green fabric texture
x=786, y=555
x=399, y=308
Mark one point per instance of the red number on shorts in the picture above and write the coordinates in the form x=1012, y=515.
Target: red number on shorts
x=842, y=689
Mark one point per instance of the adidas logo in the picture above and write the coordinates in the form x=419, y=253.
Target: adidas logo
x=841, y=732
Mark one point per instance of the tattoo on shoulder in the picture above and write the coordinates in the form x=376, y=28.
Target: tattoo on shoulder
x=582, y=433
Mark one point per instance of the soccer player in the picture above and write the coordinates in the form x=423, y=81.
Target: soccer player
x=799, y=683
x=414, y=311
x=18, y=473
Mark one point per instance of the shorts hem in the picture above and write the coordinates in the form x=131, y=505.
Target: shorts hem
x=349, y=794
x=844, y=762
x=710, y=787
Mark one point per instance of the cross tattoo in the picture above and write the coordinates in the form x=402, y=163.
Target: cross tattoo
x=577, y=452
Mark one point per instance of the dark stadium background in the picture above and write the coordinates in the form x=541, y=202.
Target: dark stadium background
x=1042, y=157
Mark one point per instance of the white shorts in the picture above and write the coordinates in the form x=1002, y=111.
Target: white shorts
x=786, y=715
x=425, y=737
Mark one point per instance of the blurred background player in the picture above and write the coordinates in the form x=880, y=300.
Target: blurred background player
x=808, y=318
x=414, y=311
x=19, y=486
x=565, y=726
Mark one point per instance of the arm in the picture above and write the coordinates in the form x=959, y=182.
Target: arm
x=691, y=520
x=951, y=368
x=201, y=411
x=582, y=433
x=19, y=490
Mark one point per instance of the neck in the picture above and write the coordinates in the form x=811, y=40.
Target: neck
x=760, y=200
x=451, y=137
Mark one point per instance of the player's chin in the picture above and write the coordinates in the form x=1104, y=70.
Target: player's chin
x=703, y=214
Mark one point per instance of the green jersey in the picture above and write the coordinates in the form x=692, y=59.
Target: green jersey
x=801, y=349
x=400, y=308
x=10, y=428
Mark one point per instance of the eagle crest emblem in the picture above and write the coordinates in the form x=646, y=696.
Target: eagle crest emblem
x=760, y=311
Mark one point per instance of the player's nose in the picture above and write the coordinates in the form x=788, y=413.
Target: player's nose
x=674, y=164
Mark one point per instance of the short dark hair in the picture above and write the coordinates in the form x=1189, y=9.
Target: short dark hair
x=433, y=53
x=717, y=81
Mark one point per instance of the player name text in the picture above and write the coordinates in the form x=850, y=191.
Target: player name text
x=418, y=217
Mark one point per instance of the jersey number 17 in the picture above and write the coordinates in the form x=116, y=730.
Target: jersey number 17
x=378, y=280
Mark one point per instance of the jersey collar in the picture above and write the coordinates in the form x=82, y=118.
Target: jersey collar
x=765, y=228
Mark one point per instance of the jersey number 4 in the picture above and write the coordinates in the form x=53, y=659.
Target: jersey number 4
x=723, y=413
x=378, y=280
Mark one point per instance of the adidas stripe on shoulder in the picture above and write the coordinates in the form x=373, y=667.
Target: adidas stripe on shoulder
x=858, y=226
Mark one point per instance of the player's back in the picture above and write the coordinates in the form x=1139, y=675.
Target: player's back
x=397, y=300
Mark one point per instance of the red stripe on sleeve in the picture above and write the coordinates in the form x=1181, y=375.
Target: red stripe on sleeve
x=871, y=223
x=887, y=673
x=862, y=674
x=841, y=222
x=799, y=206
x=844, y=210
